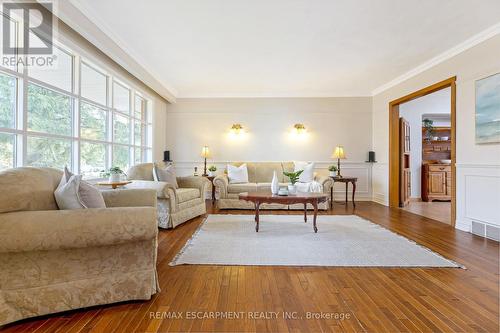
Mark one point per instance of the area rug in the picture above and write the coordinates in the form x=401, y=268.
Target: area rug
x=285, y=240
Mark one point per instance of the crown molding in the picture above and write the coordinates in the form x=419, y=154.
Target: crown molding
x=80, y=17
x=346, y=94
x=467, y=44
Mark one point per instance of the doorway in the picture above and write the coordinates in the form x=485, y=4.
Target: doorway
x=423, y=186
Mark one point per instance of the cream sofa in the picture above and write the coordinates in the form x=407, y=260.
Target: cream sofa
x=260, y=175
x=55, y=260
x=175, y=205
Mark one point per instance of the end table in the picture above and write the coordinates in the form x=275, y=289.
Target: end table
x=345, y=180
x=211, y=179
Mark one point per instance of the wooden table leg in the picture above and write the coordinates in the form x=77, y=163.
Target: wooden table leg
x=315, y=204
x=353, y=193
x=257, y=204
x=331, y=196
x=213, y=193
x=305, y=212
x=346, y=189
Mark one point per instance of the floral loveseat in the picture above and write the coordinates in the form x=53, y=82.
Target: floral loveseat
x=260, y=175
x=55, y=260
x=175, y=205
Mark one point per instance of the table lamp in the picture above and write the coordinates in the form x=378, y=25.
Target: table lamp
x=205, y=153
x=339, y=154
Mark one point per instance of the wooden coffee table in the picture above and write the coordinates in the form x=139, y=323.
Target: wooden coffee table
x=259, y=198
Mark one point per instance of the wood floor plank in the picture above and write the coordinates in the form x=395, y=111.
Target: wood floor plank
x=376, y=299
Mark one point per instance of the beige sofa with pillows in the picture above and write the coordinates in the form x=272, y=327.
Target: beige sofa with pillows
x=179, y=198
x=259, y=178
x=55, y=260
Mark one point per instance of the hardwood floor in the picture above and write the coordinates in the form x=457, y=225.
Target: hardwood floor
x=363, y=299
x=439, y=211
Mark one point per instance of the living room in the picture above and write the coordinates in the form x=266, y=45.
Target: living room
x=232, y=166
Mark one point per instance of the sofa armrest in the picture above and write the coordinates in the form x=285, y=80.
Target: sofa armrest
x=221, y=182
x=326, y=182
x=129, y=198
x=163, y=190
x=80, y=228
x=194, y=182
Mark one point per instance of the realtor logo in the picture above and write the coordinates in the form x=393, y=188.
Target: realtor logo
x=34, y=28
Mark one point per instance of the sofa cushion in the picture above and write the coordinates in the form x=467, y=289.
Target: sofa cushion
x=264, y=171
x=237, y=175
x=307, y=168
x=143, y=171
x=240, y=188
x=165, y=174
x=186, y=194
x=87, y=195
x=28, y=188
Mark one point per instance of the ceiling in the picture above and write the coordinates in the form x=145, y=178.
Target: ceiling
x=299, y=48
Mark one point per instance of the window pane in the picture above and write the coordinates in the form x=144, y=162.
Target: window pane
x=7, y=101
x=139, y=108
x=59, y=75
x=137, y=155
x=121, y=98
x=92, y=122
x=139, y=130
x=121, y=157
x=93, y=84
x=148, y=155
x=48, y=111
x=92, y=159
x=6, y=150
x=48, y=152
x=121, y=127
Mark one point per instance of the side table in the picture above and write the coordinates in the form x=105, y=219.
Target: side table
x=211, y=179
x=345, y=180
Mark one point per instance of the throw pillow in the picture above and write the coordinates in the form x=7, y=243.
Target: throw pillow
x=80, y=193
x=237, y=175
x=166, y=174
x=307, y=175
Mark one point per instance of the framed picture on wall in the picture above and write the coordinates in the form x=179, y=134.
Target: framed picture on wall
x=488, y=109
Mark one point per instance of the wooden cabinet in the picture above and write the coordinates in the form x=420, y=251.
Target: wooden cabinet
x=436, y=182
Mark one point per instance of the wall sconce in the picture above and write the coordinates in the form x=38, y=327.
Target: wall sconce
x=236, y=129
x=299, y=128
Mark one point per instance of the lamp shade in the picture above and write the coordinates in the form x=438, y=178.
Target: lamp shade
x=205, y=152
x=339, y=153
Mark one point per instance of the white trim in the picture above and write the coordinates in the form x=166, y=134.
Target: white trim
x=450, y=53
x=278, y=95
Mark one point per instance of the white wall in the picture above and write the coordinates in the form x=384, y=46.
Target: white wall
x=478, y=166
x=193, y=123
x=435, y=103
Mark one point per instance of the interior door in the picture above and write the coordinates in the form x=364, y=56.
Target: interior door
x=404, y=165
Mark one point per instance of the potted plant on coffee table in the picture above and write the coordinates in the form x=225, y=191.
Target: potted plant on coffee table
x=294, y=178
x=211, y=171
x=113, y=173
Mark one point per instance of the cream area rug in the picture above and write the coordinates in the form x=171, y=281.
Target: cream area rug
x=285, y=240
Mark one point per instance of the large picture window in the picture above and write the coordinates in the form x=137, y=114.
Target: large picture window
x=75, y=114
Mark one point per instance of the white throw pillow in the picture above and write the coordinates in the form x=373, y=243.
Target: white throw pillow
x=237, y=175
x=166, y=174
x=74, y=193
x=307, y=175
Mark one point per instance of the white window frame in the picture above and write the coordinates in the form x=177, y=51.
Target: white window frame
x=21, y=131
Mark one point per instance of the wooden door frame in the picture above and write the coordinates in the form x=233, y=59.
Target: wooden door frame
x=394, y=182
